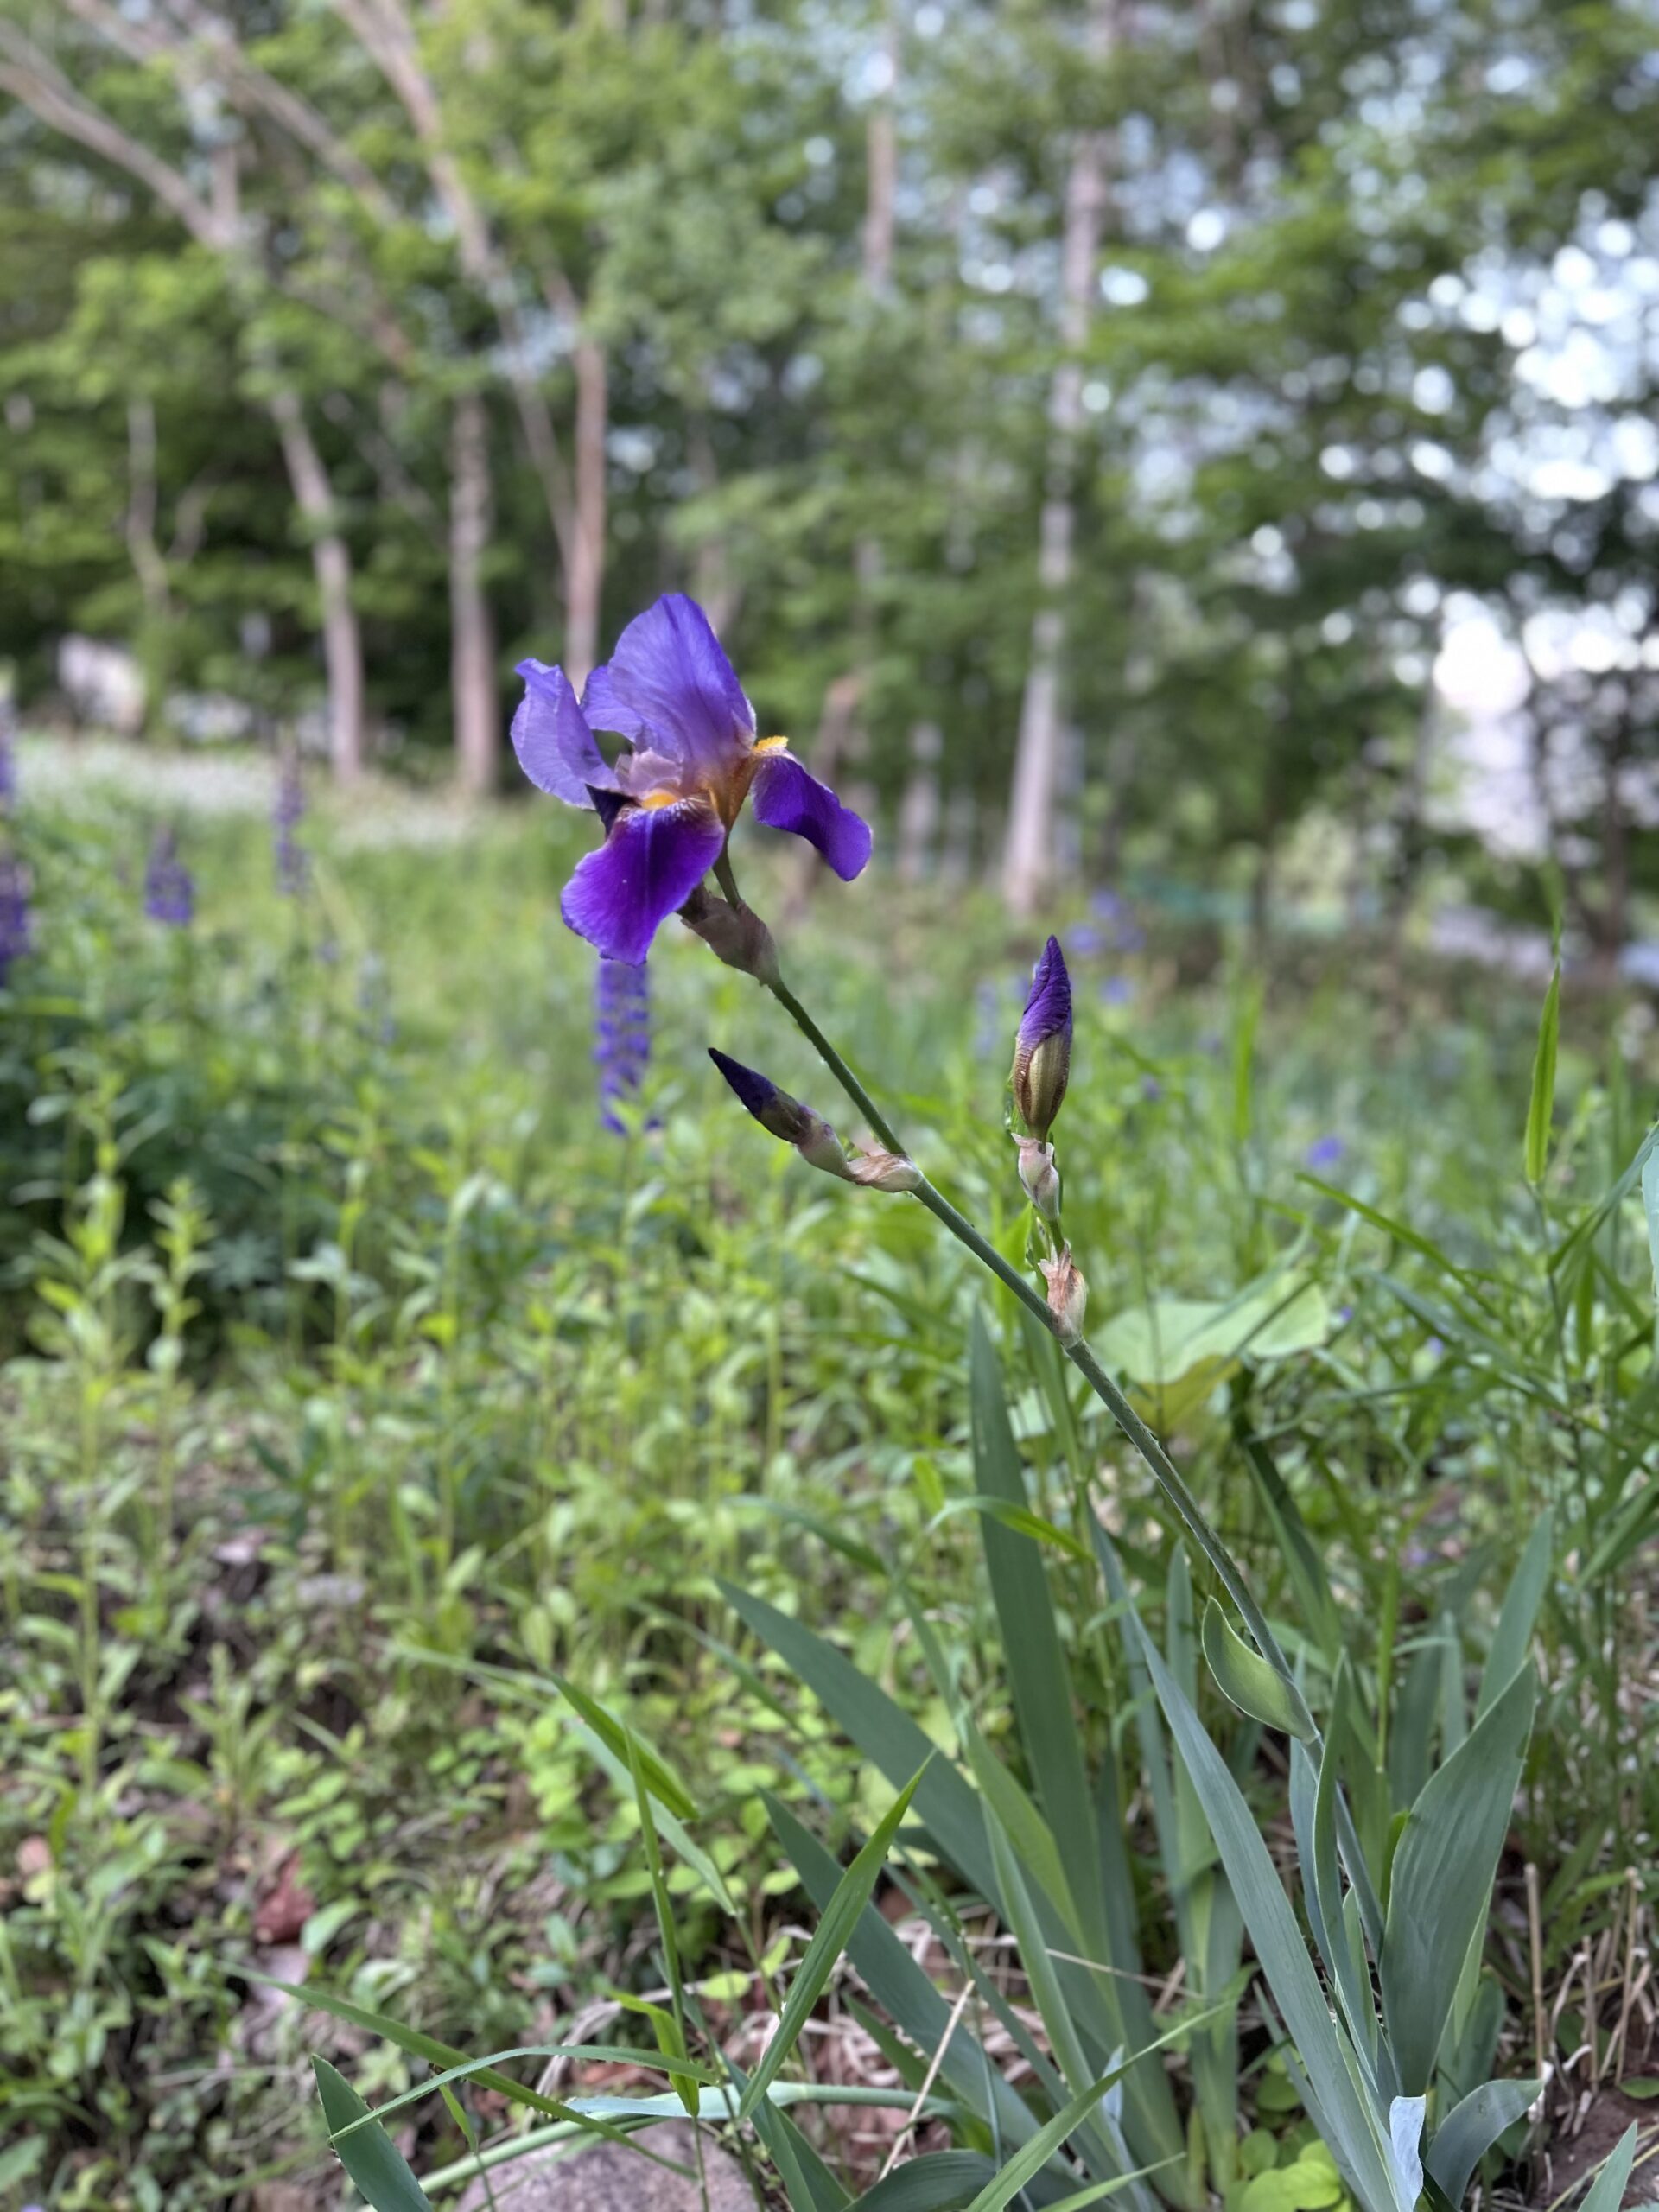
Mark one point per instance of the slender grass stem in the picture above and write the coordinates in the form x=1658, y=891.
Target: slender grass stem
x=1156, y=1460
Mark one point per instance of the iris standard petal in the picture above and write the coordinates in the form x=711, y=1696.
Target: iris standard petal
x=604, y=710
x=669, y=678
x=651, y=861
x=552, y=739
x=787, y=797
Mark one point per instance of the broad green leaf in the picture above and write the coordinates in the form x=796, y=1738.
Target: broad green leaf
x=1442, y=1879
x=1159, y=1343
x=1542, y=1105
x=368, y=2153
x=831, y=1938
x=1246, y=1679
x=1608, y=2194
x=1518, y=1613
x=1470, y=2129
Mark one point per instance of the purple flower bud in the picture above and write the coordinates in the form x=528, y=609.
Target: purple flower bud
x=784, y=1116
x=621, y=1036
x=170, y=889
x=1042, y=1051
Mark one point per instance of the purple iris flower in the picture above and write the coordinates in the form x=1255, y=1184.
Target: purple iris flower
x=669, y=801
x=169, y=888
x=1042, y=1049
x=293, y=862
x=16, y=935
x=1325, y=1152
x=621, y=1036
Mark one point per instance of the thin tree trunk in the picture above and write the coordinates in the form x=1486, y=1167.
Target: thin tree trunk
x=1028, y=856
x=584, y=582
x=331, y=560
x=471, y=631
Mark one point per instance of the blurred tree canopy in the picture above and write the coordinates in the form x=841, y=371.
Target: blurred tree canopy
x=1079, y=416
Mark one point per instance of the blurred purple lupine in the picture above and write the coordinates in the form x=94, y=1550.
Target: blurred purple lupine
x=669, y=801
x=293, y=862
x=16, y=934
x=621, y=1036
x=169, y=887
x=1117, y=990
x=1325, y=1152
x=1042, y=1049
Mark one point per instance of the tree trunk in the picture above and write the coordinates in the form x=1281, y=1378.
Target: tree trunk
x=471, y=631
x=331, y=560
x=584, y=580
x=1028, y=856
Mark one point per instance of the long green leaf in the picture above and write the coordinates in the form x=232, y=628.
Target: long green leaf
x=1033, y=2157
x=1037, y=1671
x=905, y=1993
x=1354, y=2130
x=1609, y=2191
x=833, y=1935
x=1442, y=1878
x=1518, y=1613
x=662, y=1784
x=1470, y=2129
x=367, y=2152
x=941, y=2182
x=946, y=1803
x=1541, y=1106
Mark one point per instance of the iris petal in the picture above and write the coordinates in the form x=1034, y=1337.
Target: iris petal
x=650, y=863
x=787, y=797
x=669, y=678
x=551, y=737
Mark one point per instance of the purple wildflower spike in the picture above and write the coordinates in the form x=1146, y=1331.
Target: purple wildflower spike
x=621, y=1037
x=1042, y=1051
x=690, y=759
x=292, y=860
x=1325, y=1152
x=16, y=931
x=169, y=888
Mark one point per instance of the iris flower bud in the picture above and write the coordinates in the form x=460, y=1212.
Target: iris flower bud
x=885, y=1171
x=785, y=1117
x=1068, y=1295
x=1042, y=1050
x=735, y=934
x=1040, y=1177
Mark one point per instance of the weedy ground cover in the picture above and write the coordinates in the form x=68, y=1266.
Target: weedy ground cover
x=497, y=1570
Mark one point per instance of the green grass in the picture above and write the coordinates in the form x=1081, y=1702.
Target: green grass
x=358, y=1384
